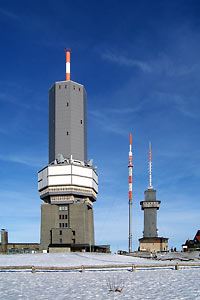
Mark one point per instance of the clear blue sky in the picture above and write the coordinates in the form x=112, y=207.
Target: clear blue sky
x=140, y=64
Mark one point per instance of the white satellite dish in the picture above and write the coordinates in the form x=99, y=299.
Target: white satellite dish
x=90, y=162
x=60, y=158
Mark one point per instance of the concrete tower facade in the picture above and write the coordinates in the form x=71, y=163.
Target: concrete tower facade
x=67, y=121
x=150, y=207
x=69, y=184
x=150, y=241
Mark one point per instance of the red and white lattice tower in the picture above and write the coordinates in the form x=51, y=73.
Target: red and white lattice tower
x=68, y=52
x=130, y=167
x=150, y=174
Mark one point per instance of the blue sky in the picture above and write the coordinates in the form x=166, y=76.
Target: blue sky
x=140, y=65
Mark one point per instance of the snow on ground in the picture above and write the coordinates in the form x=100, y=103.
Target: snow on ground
x=195, y=255
x=69, y=259
x=142, y=284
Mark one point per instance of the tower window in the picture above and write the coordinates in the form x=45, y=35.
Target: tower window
x=67, y=132
x=60, y=232
x=62, y=217
x=79, y=89
x=60, y=241
x=74, y=87
x=59, y=86
x=63, y=208
x=67, y=103
x=65, y=86
x=81, y=121
x=62, y=225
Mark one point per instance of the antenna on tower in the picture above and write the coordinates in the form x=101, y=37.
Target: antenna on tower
x=68, y=52
x=150, y=174
x=130, y=167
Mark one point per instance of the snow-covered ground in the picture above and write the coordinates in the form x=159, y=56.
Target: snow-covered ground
x=68, y=259
x=142, y=284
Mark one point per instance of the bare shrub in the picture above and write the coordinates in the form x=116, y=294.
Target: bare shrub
x=115, y=284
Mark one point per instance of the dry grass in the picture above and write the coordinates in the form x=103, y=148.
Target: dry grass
x=115, y=284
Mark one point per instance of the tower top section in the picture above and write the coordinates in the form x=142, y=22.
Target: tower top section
x=67, y=118
x=68, y=52
x=130, y=151
x=150, y=167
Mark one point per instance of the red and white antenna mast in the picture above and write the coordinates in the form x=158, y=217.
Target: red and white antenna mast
x=150, y=174
x=68, y=52
x=130, y=167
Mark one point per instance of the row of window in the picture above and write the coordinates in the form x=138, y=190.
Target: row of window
x=62, y=225
x=66, y=87
x=63, y=207
x=62, y=216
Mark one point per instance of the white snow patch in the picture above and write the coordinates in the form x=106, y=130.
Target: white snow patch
x=146, y=284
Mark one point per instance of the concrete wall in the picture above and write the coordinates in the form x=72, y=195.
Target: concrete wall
x=59, y=250
x=49, y=220
x=78, y=219
x=150, y=222
x=4, y=241
x=150, y=195
x=156, y=245
x=20, y=248
x=81, y=220
x=67, y=121
x=150, y=207
x=52, y=123
x=91, y=226
x=62, y=236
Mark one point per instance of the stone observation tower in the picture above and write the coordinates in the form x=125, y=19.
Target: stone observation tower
x=151, y=241
x=69, y=184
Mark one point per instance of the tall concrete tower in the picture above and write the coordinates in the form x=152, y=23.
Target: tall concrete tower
x=151, y=241
x=69, y=184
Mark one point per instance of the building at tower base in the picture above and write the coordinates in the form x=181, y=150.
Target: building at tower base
x=16, y=248
x=68, y=189
x=156, y=244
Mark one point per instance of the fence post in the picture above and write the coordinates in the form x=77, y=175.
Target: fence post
x=82, y=268
x=176, y=267
x=133, y=269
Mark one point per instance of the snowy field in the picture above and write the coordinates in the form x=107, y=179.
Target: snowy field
x=69, y=259
x=142, y=284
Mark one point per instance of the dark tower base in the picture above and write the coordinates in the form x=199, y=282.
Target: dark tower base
x=66, y=224
x=68, y=189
